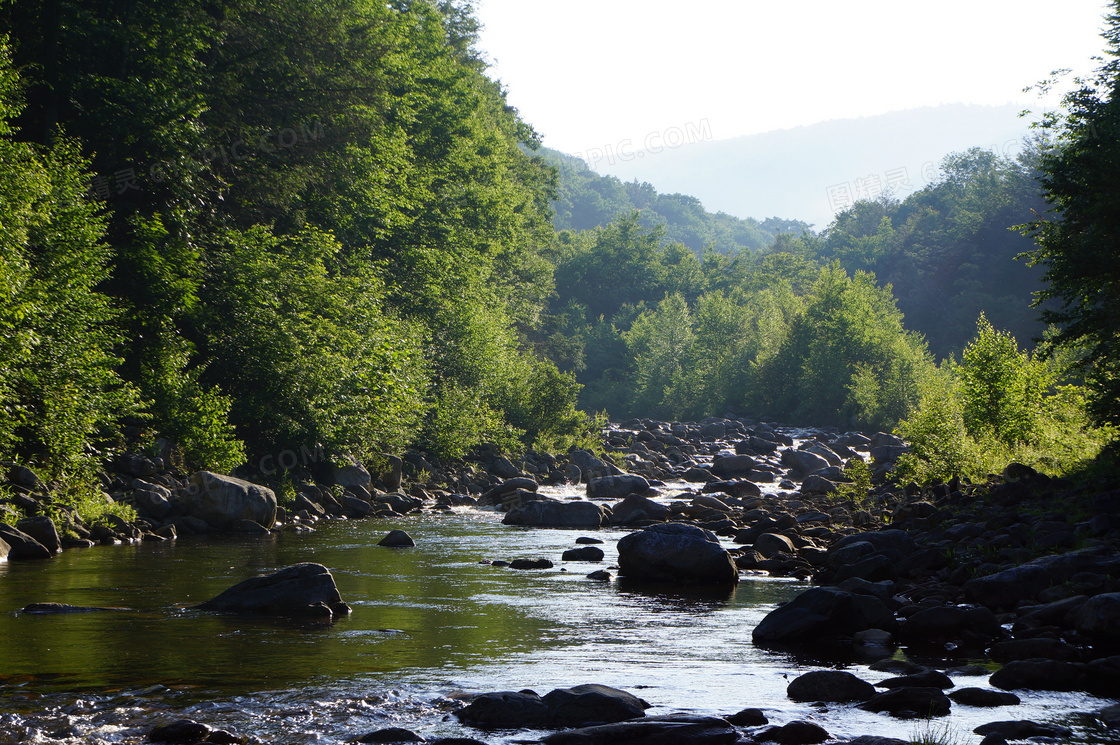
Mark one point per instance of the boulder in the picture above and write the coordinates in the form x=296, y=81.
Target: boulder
x=43, y=530
x=802, y=462
x=814, y=484
x=223, y=501
x=1006, y=589
x=797, y=732
x=548, y=514
x=924, y=679
x=732, y=466
x=351, y=473
x=671, y=729
x=590, y=466
x=538, y=563
x=586, y=705
x=389, y=736
x=1038, y=675
x=1023, y=730
x=180, y=731
x=397, y=539
x=617, y=487
x=583, y=553
x=636, y=508
x=505, y=710
x=769, y=544
x=924, y=702
x=21, y=545
x=676, y=552
x=389, y=471
x=299, y=590
x=1098, y=618
x=829, y=685
x=822, y=615
x=984, y=697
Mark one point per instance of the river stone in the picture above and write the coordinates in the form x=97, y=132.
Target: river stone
x=591, y=704
x=671, y=729
x=43, y=530
x=297, y=590
x=925, y=702
x=397, y=539
x=583, y=553
x=1098, y=618
x=676, y=552
x=829, y=685
x=822, y=614
x=924, y=679
x=351, y=473
x=1006, y=589
x=797, y=732
x=531, y=564
x=505, y=710
x=550, y=514
x=224, y=501
x=732, y=466
x=389, y=735
x=802, y=462
x=769, y=544
x=636, y=508
x=814, y=484
x=617, y=487
x=1039, y=647
x=984, y=697
x=1038, y=675
x=21, y=545
x=1022, y=730
x=184, y=731
x=591, y=467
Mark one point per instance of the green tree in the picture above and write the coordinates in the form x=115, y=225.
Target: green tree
x=1077, y=242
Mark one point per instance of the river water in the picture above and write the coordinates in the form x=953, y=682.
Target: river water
x=430, y=624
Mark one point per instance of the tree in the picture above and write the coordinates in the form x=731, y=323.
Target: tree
x=1078, y=240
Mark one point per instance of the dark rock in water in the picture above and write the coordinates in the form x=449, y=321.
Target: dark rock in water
x=456, y=741
x=983, y=697
x=748, y=718
x=585, y=705
x=1026, y=649
x=829, y=685
x=302, y=590
x=676, y=552
x=617, y=487
x=821, y=615
x=42, y=529
x=1102, y=677
x=797, y=732
x=876, y=740
x=389, y=735
x=586, y=553
x=184, y=731
x=732, y=466
x=600, y=575
x=57, y=608
x=741, y=489
x=636, y=508
x=505, y=710
x=530, y=564
x=584, y=540
x=924, y=702
x=1022, y=730
x=1038, y=675
x=251, y=528
x=577, y=514
x=925, y=679
x=673, y=729
x=397, y=539
x=21, y=545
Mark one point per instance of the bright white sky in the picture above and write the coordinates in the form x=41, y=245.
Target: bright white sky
x=593, y=73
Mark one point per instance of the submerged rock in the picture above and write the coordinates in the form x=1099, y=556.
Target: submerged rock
x=549, y=514
x=677, y=729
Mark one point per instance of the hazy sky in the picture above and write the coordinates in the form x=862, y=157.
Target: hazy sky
x=594, y=73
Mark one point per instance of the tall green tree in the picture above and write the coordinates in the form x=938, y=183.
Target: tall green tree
x=1078, y=240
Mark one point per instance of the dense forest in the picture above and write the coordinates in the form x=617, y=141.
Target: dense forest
x=227, y=233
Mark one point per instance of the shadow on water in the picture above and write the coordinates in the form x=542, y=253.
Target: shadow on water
x=690, y=599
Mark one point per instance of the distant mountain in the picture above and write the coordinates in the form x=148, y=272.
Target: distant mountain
x=588, y=199
x=811, y=173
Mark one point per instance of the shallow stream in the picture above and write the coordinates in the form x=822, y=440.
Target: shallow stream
x=430, y=624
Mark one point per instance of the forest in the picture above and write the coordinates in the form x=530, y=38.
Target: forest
x=226, y=234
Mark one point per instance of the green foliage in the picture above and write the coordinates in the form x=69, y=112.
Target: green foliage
x=857, y=489
x=1076, y=239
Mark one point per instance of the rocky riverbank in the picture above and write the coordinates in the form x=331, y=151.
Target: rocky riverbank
x=1021, y=570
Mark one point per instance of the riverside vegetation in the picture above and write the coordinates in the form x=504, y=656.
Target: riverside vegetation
x=226, y=236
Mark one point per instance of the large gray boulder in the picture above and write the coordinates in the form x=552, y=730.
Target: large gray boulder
x=821, y=615
x=224, y=501
x=829, y=685
x=731, y=466
x=43, y=530
x=551, y=514
x=617, y=487
x=21, y=545
x=351, y=473
x=301, y=590
x=676, y=552
x=802, y=462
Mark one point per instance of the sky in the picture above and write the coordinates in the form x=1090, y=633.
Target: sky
x=595, y=74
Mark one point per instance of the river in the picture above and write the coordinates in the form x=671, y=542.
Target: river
x=430, y=624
